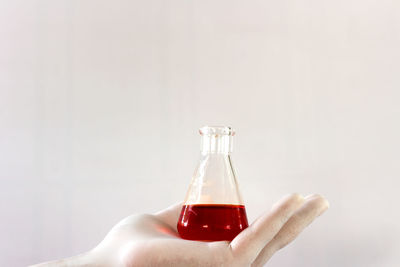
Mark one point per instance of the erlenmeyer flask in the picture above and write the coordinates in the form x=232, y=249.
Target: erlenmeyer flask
x=213, y=209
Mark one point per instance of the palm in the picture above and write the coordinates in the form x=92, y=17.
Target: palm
x=142, y=235
x=152, y=240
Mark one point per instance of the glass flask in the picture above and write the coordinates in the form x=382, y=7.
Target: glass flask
x=213, y=209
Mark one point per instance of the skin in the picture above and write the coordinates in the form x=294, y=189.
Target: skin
x=152, y=240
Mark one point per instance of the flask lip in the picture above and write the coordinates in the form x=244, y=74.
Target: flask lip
x=216, y=130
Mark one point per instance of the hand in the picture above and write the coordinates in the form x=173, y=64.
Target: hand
x=152, y=240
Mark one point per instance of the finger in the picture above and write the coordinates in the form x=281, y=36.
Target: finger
x=248, y=244
x=314, y=206
x=170, y=215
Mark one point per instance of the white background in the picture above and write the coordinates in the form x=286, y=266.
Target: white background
x=100, y=102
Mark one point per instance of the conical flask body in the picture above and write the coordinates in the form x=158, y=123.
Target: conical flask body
x=213, y=209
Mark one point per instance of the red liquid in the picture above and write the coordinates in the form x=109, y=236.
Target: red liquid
x=211, y=222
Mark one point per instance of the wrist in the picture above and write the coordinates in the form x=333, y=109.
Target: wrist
x=85, y=259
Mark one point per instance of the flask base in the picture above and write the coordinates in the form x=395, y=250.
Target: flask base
x=212, y=222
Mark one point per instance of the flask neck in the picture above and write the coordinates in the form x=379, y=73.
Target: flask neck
x=216, y=144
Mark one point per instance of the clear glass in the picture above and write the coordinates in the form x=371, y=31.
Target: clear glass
x=213, y=208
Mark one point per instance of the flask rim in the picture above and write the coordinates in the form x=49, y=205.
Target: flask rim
x=216, y=130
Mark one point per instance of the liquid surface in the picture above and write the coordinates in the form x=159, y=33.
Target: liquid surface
x=211, y=222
